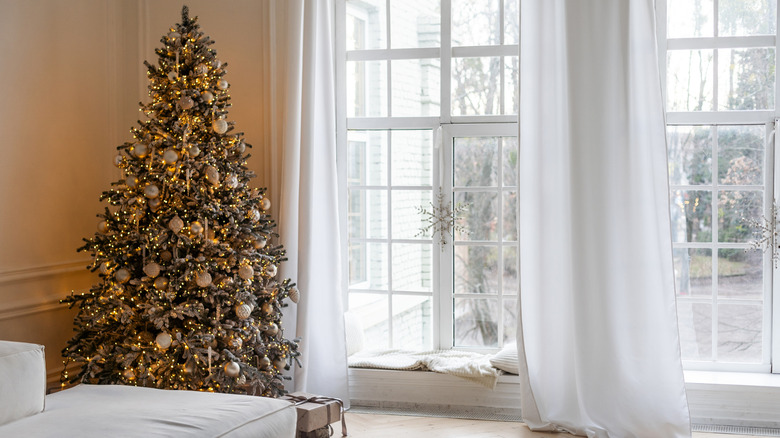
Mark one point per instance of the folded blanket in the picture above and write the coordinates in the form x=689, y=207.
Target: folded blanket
x=471, y=366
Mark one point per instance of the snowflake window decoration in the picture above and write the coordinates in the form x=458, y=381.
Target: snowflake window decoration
x=441, y=218
x=766, y=233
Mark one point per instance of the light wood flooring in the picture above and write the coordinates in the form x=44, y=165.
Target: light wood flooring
x=395, y=426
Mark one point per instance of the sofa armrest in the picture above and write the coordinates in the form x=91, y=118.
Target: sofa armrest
x=22, y=380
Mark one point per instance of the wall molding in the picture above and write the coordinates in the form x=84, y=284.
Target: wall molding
x=33, y=272
x=50, y=305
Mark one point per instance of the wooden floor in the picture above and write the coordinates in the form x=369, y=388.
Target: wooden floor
x=394, y=426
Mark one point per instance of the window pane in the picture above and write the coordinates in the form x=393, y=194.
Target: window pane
x=740, y=332
x=509, y=147
x=407, y=221
x=693, y=271
x=415, y=23
x=475, y=161
x=366, y=88
x=412, y=158
x=511, y=85
x=695, y=324
x=367, y=160
x=689, y=80
x=480, y=220
x=733, y=207
x=415, y=84
x=510, y=321
x=368, y=214
x=476, y=269
x=511, y=22
x=476, y=322
x=746, y=79
x=690, y=154
x=691, y=212
x=372, y=310
x=369, y=270
x=741, y=155
x=475, y=86
x=366, y=24
x=746, y=17
x=511, y=280
x=475, y=22
x=510, y=216
x=412, y=324
x=740, y=273
x=412, y=267
x=689, y=18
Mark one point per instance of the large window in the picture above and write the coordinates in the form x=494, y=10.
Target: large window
x=719, y=58
x=428, y=101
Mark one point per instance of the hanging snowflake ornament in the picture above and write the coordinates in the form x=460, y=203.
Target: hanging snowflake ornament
x=441, y=219
x=765, y=230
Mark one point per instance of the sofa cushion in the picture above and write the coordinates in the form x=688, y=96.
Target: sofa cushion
x=506, y=359
x=22, y=380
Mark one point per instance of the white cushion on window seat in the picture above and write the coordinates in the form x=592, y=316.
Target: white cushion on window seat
x=506, y=359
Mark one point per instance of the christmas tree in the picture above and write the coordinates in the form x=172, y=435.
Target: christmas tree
x=188, y=296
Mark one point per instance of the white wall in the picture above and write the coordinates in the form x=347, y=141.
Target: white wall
x=71, y=77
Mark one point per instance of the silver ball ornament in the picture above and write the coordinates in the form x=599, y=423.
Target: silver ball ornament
x=201, y=69
x=152, y=270
x=231, y=181
x=151, y=191
x=212, y=174
x=232, y=369
x=265, y=204
x=260, y=242
x=102, y=226
x=222, y=84
x=270, y=270
x=176, y=224
x=272, y=329
x=122, y=275
x=186, y=102
x=104, y=269
x=265, y=363
x=207, y=96
x=118, y=160
x=140, y=150
x=163, y=340
x=236, y=343
x=280, y=363
x=243, y=311
x=203, y=279
x=194, y=151
x=254, y=215
x=219, y=126
x=131, y=181
x=246, y=272
x=170, y=156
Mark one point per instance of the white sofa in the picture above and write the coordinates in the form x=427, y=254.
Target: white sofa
x=126, y=411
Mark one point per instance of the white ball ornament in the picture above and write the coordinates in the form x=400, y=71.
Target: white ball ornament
x=246, y=272
x=207, y=96
x=104, y=268
x=265, y=363
x=122, y=275
x=140, y=150
x=270, y=270
x=254, y=215
x=118, y=160
x=196, y=227
x=163, y=340
x=194, y=151
x=260, y=242
x=272, y=329
x=152, y=269
x=243, y=311
x=131, y=181
x=219, y=126
x=222, y=84
x=241, y=147
x=216, y=63
x=170, y=156
x=236, y=343
x=212, y=174
x=176, y=224
x=186, y=102
x=231, y=181
x=160, y=283
x=232, y=369
x=294, y=294
x=203, y=279
x=102, y=226
x=265, y=204
x=280, y=363
x=151, y=191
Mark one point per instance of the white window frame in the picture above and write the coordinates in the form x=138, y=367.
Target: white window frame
x=768, y=118
x=494, y=125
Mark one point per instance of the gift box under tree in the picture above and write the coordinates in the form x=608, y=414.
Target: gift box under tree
x=317, y=412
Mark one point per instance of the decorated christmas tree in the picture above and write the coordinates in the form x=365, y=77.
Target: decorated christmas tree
x=188, y=295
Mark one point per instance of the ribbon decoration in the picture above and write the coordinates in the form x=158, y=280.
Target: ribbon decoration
x=299, y=400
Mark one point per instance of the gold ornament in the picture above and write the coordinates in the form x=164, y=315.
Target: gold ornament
x=196, y=227
x=151, y=191
x=166, y=256
x=280, y=363
x=203, y=279
x=176, y=224
x=265, y=204
x=170, y=156
x=243, y=311
x=207, y=96
x=122, y=275
x=194, y=151
x=163, y=340
x=131, y=181
x=265, y=362
x=186, y=102
x=160, y=283
x=232, y=369
x=102, y=227
x=140, y=150
x=104, y=268
x=155, y=203
x=222, y=84
x=246, y=272
x=212, y=174
x=219, y=126
x=272, y=329
x=152, y=270
x=268, y=308
x=260, y=242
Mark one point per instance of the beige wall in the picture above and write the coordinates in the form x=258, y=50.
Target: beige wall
x=71, y=77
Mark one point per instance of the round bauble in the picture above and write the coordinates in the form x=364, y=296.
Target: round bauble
x=270, y=270
x=203, y=279
x=272, y=329
x=122, y=275
x=163, y=340
x=152, y=270
x=160, y=283
x=140, y=150
x=151, y=191
x=212, y=174
x=219, y=126
x=241, y=147
x=265, y=363
x=102, y=226
x=260, y=242
x=236, y=343
x=118, y=160
x=254, y=215
x=104, y=268
x=194, y=151
x=166, y=256
x=172, y=75
x=207, y=96
x=216, y=63
x=268, y=308
x=246, y=272
x=176, y=224
x=186, y=102
x=170, y=156
x=196, y=227
x=222, y=84
x=243, y=311
x=131, y=181
x=265, y=203
x=155, y=203
x=232, y=369
x=280, y=363
x=231, y=181
x=294, y=294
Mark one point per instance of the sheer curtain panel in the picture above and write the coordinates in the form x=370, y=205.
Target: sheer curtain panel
x=598, y=330
x=299, y=158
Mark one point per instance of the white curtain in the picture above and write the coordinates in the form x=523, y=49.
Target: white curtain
x=598, y=334
x=298, y=157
